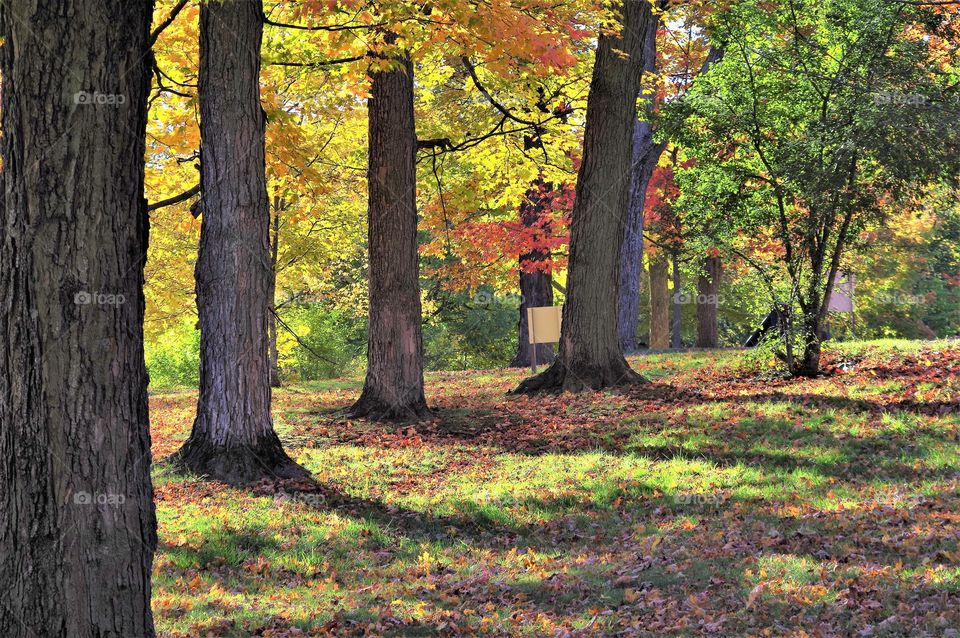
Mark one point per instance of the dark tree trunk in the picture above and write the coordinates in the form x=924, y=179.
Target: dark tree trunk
x=646, y=154
x=536, y=289
x=708, y=296
x=659, y=301
x=278, y=207
x=233, y=438
x=393, y=389
x=676, y=324
x=77, y=529
x=590, y=356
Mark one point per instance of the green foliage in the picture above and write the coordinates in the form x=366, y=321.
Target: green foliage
x=318, y=343
x=173, y=357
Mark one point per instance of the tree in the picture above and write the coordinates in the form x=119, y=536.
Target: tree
x=78, y=530
x=590, y=356
x=708, y=298
x=393, y=389
x=820, y=119
x=233, y=437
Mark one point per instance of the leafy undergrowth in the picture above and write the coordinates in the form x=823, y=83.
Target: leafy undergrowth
x=705, y=503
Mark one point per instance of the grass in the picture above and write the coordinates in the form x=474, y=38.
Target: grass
x=708, y=503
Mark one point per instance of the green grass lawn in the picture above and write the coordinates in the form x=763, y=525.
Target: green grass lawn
x=717, y=500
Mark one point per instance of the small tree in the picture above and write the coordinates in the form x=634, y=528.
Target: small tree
x=819, y=118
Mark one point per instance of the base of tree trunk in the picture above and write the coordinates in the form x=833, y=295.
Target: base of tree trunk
x=579, y=378
x=373, y=408
x=238, y=465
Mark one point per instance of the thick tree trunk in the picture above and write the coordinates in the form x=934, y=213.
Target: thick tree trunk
x=77, y=525
x=590, y=357
x=646, y=154
x=659, y=273
x=536, y=289
x=393, y=389
x=708, y=297
x=233, y=438
x=676, y=319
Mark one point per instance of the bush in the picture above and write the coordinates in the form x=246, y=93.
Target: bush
x=173, y=358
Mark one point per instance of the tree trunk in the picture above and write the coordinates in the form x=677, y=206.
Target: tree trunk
x=77, y=531
x=278, y=206
x=708, y=297
x=393, y=389
x=659, y=268
x=676, y=323
x=536, y=289
x=646, y=154
x=233, y=438
x=590, y=357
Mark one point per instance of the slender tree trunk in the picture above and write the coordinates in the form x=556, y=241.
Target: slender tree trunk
x=676, y=323
x=233, y=438
x=278, y=206
x=708, y=297
x=590, y=357
x=646, y=154
x=659, y=272
x=77, y=529
x=536, y=289
x=393, y=389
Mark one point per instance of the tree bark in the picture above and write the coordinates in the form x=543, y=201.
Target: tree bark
x=77, y=531
x=233, y=438
x=659, y=272
x=590, y=357
x=646, y=154
x=708, y=296
x=536, y=289
x=393, y=389
x=676, y=319
x=278, y=206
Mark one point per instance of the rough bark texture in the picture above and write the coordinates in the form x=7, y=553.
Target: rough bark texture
x=590, y=356
x=676, y=318
x=708, y=295
x=393, y=389
x=646, y=154
x=77, y=526
x=272, y=295
x=233, y=438
x=659, y=272
x=536, y=289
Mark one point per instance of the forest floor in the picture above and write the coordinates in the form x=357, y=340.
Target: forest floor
x=714, y=501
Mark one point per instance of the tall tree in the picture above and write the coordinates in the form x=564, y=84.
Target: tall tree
x=78, y=531
x=708, y=298
x=646, y=154
x=536, y=284
x=233, y=437
x=659, y=275
x=393, y=389
x=590, y=356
